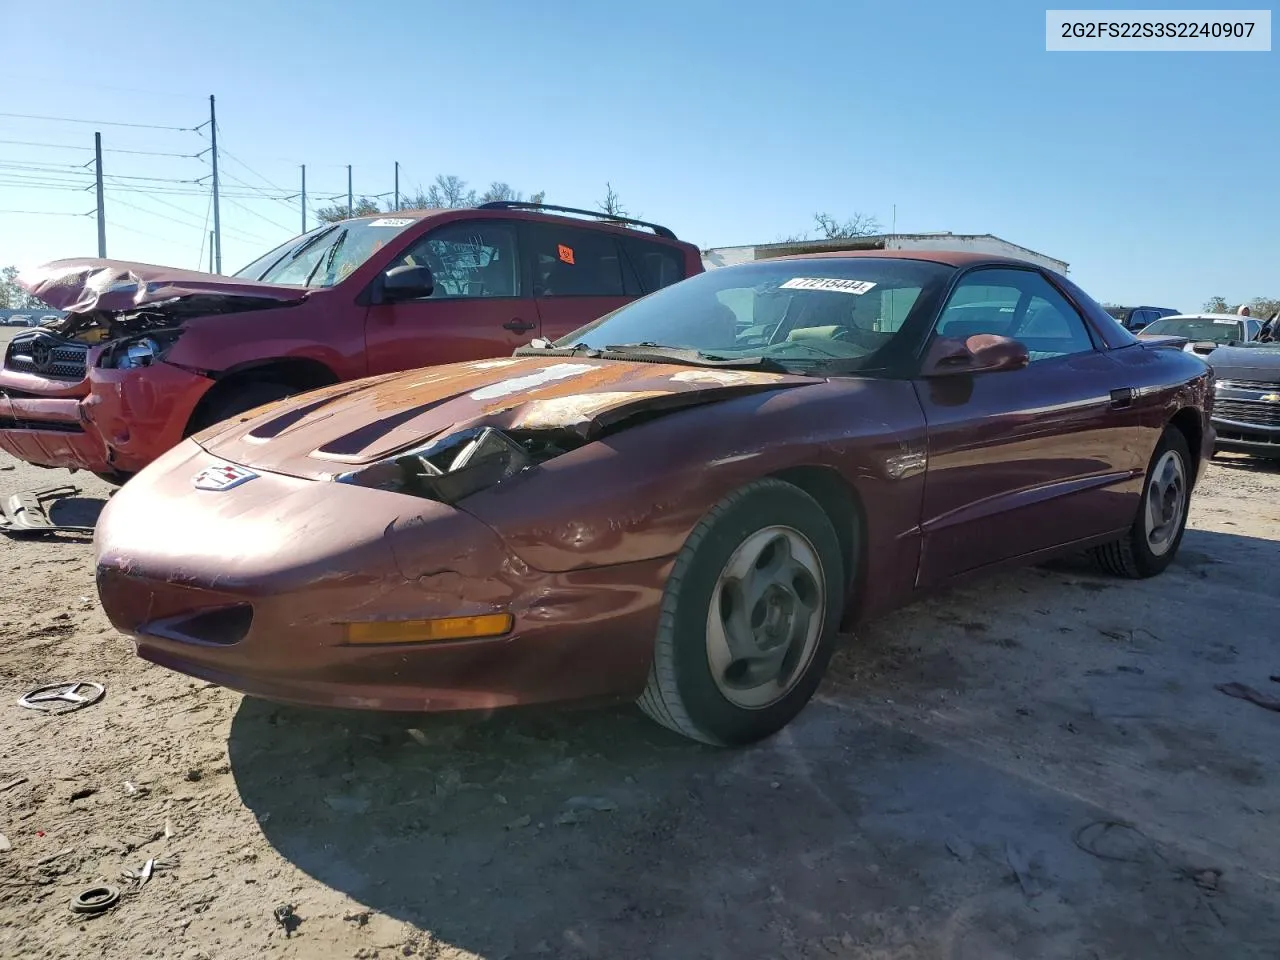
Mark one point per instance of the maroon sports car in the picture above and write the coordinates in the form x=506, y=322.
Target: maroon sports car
x=682, y=502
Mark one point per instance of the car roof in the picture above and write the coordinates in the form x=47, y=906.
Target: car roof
x=951, y=258
x=1204, y=316
x=569, y=215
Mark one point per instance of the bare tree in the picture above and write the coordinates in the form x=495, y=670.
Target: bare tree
x=364, y=207
x=829, y=228
x=1264, y=307
x=859, y=225
x=611, y=204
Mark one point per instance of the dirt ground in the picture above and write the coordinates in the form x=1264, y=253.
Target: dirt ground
x=1037, y=766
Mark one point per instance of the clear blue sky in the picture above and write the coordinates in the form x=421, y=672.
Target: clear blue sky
x=1154, y=175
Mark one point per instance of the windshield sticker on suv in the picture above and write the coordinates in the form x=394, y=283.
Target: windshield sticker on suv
x=566, y=253
x=1225, y=323
x=834, y=284
x=392, y=222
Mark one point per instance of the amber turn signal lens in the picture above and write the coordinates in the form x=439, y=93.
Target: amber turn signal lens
x=422, y=631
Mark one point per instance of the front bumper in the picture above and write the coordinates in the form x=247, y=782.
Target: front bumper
x=250, y=588
x=1246, y=417
x=126, y=419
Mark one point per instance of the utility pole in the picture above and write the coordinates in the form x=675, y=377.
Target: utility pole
x=211, y=251
x=304, y=198
x=217, y=222
x=350, y=200
x=397, y=185
x=102, y=220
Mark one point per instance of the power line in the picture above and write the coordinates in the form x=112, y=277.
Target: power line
x=71, y=169
x=255, y=213
x=47, y=213
x=51, y=182
x=100, y=123
x=244, y=235
x=68, y=146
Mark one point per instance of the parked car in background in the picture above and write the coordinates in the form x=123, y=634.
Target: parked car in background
x=1136, y=318
x=20, y=320
x=681, y=503
x=148, y=355
x=1204, y=332
x=1246, y=406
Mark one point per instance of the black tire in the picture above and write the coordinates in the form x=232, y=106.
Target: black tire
x=240, y=399
x=117, y=478
x=682, y=692
x=1131, y=555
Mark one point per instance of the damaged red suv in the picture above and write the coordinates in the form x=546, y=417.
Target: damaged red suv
x=148, y=355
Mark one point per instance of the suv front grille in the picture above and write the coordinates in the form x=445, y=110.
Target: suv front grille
x=1263, y=385
x=47, y=356
x=1245, y=411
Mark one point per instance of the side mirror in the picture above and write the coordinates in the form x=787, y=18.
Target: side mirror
x=407, y=282
x=984, y=353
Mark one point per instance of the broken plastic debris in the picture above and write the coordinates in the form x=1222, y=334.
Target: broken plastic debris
x=603, y=804
x=417, y=735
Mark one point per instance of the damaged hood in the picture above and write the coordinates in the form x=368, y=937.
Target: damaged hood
x=331, y=431
x=81, y=286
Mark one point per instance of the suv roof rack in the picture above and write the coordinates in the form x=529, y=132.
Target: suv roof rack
x=598, y=214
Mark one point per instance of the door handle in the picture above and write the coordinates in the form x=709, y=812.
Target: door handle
x=519, y=326
x=1122, y=398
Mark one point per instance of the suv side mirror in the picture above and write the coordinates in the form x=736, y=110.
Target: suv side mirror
x=407, y=282
x=983, y=353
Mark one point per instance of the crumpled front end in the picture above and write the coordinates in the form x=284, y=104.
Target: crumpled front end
x=337, y=595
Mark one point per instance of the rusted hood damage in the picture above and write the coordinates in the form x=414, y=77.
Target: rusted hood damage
x=467, y=411
x=99, y=293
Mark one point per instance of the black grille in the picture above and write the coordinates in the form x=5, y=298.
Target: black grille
x=46, y=356
x=53, y=426
x=1243, y=411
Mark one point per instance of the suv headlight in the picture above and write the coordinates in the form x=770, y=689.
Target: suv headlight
x=139, y=351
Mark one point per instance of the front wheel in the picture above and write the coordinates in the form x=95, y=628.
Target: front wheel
x=1153, y=540
x=749, y=617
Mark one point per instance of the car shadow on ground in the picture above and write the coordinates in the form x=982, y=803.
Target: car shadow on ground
x=598, y=834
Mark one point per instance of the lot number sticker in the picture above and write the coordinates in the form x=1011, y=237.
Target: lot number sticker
x=834, y=284
x=392, y=222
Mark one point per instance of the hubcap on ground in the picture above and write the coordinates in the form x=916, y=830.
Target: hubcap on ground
x=765, y=617
x=1166, y=503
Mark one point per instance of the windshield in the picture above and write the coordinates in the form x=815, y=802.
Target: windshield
x=326, y=255
x=794, y=312
x=1198, y=328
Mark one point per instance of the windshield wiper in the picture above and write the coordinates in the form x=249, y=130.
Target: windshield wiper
x=328, y=259
x=648, y=350
x=536, y=348
x=311, y=243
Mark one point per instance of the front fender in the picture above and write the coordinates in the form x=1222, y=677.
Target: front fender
x=636, y=494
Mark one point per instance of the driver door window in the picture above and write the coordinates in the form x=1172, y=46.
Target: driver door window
x=469, y=260
x=1020, y=304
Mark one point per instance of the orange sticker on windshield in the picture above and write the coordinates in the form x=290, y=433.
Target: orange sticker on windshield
x=566, y=253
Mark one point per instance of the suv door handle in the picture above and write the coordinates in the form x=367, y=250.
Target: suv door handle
x=519, y=326
x=1122, y=398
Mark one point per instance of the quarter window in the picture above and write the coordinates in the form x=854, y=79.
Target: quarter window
x=1019, y=304
x=574, y=263
x=653, y=265
x=469, y=259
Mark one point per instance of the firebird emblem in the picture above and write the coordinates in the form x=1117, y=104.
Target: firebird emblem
x=222, y=477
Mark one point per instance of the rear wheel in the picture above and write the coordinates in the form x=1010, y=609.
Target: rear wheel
x=1153, y=540
x=238, y=399
x=749, y=617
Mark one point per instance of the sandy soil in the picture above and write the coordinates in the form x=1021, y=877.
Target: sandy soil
x=1036, y=766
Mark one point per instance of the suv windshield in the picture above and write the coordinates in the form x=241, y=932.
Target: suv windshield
x=797, y=313
x=1199, y=328
x=326, y=255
